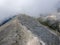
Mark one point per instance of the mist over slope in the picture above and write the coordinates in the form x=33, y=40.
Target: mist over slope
x=29, y=7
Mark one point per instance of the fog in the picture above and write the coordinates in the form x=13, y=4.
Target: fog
x=30, y=7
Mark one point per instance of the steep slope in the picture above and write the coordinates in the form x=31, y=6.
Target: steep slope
x=25, y=30
x=14, y=33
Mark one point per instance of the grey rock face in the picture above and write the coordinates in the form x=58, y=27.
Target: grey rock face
x=51, y=21
x=25, y=30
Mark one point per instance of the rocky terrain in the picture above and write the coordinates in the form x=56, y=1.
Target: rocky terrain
x=52, y=21
x=26, y=30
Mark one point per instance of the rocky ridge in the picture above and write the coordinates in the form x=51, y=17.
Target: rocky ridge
x=25, y=30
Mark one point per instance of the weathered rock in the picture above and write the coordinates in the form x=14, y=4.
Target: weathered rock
x=51, y=21
x=25, y=30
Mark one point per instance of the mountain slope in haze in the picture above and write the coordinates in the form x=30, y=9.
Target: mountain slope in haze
x=25, y=30
x=52, y=21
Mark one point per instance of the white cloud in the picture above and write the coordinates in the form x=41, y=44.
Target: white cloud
x=2, y=2
x=30, y=7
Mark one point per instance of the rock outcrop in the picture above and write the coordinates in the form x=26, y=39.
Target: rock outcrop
x=25, y=30
x=52, y=21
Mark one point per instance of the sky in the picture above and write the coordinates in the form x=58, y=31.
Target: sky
x=30, y=7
